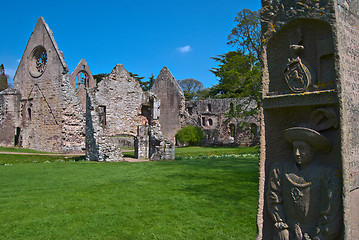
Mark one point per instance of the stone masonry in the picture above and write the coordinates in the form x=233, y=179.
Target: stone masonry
x=49, y=117
x=172, y=98
x=117, y=107
x=212, y=116
x=52, y=110
x=310, y=108
x=81, y=79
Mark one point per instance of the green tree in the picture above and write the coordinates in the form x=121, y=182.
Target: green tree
x=247, y=34
x=147, y=85
x=190, y=88
x=3, y=78
x=98, y=77
x=238, y=71
x=190, y=135
x=237, y=78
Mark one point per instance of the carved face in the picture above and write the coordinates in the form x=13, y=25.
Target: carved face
x=303, y=152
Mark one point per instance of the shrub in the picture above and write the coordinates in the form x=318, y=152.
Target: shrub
x=190, y=135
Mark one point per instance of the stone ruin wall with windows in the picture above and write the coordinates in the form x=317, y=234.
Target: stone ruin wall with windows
x=119, y=108
x=51, y=110
x=49, y=113
x=211, y=116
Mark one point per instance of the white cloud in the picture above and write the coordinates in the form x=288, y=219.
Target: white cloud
x=185, y=49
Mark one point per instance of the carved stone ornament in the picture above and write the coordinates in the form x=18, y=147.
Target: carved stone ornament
x=303, y=196
x=297, y=75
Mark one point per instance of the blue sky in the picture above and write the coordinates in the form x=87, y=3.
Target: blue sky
x=142, y=35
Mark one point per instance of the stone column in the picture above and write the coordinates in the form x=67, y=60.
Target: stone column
x=142, y=143
x=309, y=160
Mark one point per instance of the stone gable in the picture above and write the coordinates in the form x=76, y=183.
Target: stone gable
x=172, y=98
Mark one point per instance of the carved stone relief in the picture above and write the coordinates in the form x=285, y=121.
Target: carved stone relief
x=301, y=58
x=304, y=197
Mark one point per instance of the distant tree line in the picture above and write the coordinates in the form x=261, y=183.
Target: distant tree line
x=3, y=78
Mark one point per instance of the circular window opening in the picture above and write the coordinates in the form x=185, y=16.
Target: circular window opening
x=38, y=61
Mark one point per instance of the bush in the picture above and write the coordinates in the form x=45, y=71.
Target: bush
x=190, y=135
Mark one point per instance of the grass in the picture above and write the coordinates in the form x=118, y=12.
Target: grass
x=185, y=152
x=20, y=150
x=192, y=198
x=214, y=151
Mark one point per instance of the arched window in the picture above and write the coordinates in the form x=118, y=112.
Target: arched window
x=82, y=78
x=29, y=114
x=210, y=122
x=232, y=129
x=203, y=121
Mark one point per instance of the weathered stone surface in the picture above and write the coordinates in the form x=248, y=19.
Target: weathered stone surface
x=47, y=98
x=309, y=71
x=117, y=107
x=211, y=116
x=9, y=115
x=172, y=98
x=142, y=143
x=81, y=79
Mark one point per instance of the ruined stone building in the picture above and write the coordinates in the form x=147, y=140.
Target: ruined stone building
x=50, y=109
x=172, y=103
x=220, y=129
x=42, y=111
x=210, y=115
x=118, y=109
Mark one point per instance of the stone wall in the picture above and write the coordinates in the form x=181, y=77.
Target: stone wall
x=211, y=116
x=50, y=113
x=172, y=98
x=81, y=79
x=309, y=69
x=347, y=32
x=117, y=107
x=9, y=115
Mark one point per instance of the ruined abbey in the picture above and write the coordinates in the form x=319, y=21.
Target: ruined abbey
x=50, y=109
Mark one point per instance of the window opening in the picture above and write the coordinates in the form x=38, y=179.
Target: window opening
x=82, y=79
x=189, y=109
x=17, y=136
x=210, y=122
x=29, y=113
x=38, y=61
x=232, y=129
x=102, y=115
x=203, y=121
x=209, y=107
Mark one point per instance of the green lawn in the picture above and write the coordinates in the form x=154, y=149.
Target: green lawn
x=192, y=198
x=185, y=152
x=20, y=150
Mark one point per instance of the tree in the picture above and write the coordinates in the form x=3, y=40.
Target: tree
x=190, y=87
x=191, y=135
x=3, y=78
x=147, y=85
x=239, y=71
x=238, y=79
x=98, y=77
x=247, y=34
